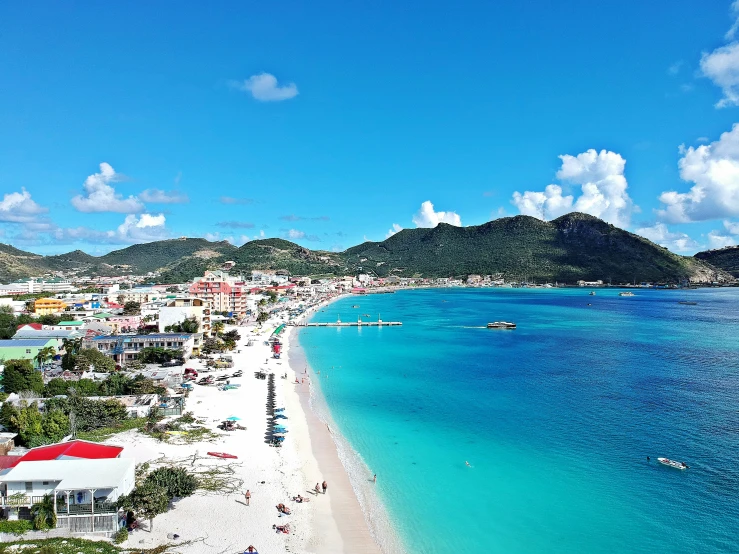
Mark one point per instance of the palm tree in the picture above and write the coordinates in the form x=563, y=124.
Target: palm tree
x=72, y=346
x=218, y=328
x=44, y=516
x=44, y=355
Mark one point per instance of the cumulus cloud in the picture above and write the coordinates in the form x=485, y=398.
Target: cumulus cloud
x=549, y=204
x=714, y=170
x=660, y=234
x=393, y=230
x=232, y=200
x=603, y=189
x=100, y=196
x=295, y=234
x=134, y=229
x=19, y=207
x=264, y=87
x=722, y=67
x=717, y=239
x=734, y=9
x=428, y=217
x=157, y=196
x=236, y=224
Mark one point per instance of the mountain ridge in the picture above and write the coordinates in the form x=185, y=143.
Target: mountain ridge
x=572, y=247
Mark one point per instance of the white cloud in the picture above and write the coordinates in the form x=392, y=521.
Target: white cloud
x=158, y=196
x=722, y=67
x=674, y=69
x=603, y=185
x=100, y=196
x=732, y=227
x=264, y=87
x=549, y=204
x=717, y=240
x=735, y=14
x=134, y=229
x=714, y=168
x=393, y=230
x=19, y=207
x=427, y=217
x=675, y=241
x=295, y=234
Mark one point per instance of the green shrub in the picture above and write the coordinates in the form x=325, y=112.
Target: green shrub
x=121, y=536
x=175, y=480
x=17, y=527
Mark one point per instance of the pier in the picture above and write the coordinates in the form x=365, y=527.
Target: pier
x=358, y=323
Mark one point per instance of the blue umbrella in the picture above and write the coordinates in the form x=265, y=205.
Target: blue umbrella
x=233, y=418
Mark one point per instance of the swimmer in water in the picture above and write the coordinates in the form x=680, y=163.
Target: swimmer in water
x=467, y=463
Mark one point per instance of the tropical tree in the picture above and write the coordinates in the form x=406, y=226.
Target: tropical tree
x=131, y=308
x=43, y=514
x=262, y=317
x=20, y=375
x=218, y=328
x=44, y=355
x=175, y=480
x=148, y=500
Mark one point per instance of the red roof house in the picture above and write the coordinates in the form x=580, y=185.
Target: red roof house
x=36, y=326
x=76, y=449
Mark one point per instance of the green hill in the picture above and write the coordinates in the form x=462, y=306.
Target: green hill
x=572, y=247
x=724, y=258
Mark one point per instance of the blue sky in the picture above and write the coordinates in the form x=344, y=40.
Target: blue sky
x=328, y=123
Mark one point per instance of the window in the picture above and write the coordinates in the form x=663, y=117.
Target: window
x=45, y=483
x=29, y=486
x=28, y=350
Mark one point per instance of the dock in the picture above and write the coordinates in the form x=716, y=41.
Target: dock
x=358, y=323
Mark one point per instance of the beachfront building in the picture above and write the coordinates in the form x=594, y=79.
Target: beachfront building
x=221, y=292
x=46, y=306
x=176, y=310
x=126, y=348
x=66, y=326
x=84, y=479
x=25, y=349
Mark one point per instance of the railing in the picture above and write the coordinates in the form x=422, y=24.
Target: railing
x=15, y=501
x=86, y=509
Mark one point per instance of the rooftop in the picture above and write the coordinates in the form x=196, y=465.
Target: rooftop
x=76, y=323
x=76, y=449
x=23, y=343
x=152, y=336
x=72, y=474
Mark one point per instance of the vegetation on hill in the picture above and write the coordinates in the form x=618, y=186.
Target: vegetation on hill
x=724, y=258
x=572, y=247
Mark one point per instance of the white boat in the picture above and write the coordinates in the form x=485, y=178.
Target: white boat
x=672, y=463
x=627, y=293
x=501, y=325
x=592, y=293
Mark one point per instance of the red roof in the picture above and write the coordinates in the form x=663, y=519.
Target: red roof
x=72, y=449
x=8, y=461
x=36, y=326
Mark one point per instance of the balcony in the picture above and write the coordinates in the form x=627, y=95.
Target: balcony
x=85, y=509
x=17, y=501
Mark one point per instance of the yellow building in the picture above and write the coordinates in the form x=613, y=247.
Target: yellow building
x=46, y=306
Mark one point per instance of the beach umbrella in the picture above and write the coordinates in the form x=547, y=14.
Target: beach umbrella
x=233, y=418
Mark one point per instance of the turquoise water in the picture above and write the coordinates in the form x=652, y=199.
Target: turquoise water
x=555, y=418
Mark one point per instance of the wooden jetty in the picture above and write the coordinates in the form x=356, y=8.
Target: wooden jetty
x=358, y=323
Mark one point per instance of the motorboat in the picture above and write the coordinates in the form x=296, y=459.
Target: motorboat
x=687, y=303
x=592, y=293
x=627, y=293
x=501, y=325
x=673, y=463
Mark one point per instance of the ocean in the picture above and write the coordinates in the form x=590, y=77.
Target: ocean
x=556, y=418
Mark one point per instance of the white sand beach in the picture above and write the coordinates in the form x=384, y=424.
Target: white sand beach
x=222, y=522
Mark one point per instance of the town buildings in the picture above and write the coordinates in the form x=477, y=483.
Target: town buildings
x=25, y=349
x=125, y=348
x=46, y=306
x=222, y=293
x=176, y=310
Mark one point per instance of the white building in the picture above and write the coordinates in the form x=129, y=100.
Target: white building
x=84, y=490
x=177, y=310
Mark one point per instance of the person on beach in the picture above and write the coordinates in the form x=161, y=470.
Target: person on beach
x=374, y=479
x=318, y=488
x=247, y=496
x=325, y=486
x=250, y=548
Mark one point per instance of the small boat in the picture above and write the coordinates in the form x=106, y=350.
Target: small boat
x=673, y=463
x=592, y=293
x=355, y=306
x=222, y=455
x=501, y=325
x=627, y=293
x=686, y=303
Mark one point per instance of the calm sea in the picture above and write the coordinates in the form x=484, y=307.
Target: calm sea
x=555, y=418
